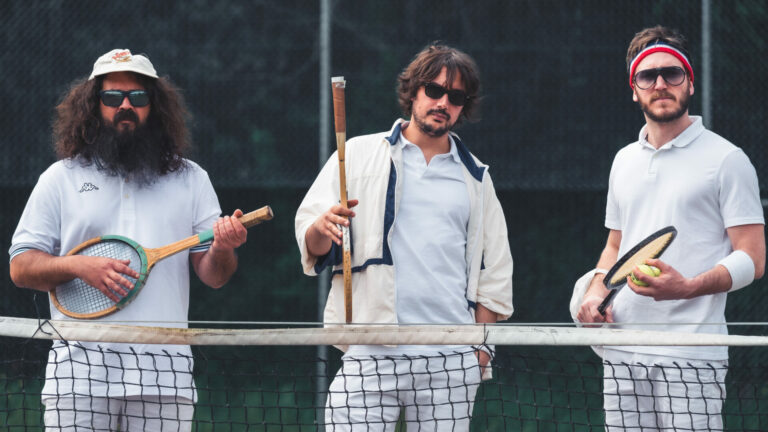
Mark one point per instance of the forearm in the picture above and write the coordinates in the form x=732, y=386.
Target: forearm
x=607, y=259
x=215, y=267
x=713, y=281
x=317, y=243
x=484, y=315
x=749, y=243
x=41, y=271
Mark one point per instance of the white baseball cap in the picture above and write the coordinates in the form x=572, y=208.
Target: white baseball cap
x=121, y=60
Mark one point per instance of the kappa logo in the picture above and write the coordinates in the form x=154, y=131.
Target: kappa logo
x=122, y=57
x=87, y=187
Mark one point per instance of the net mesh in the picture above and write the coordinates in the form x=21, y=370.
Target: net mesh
x=261, y=379
x=78, y=297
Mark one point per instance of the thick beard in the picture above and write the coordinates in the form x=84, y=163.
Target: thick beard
x=684, y=101
x=137, y=154
x=430, y=130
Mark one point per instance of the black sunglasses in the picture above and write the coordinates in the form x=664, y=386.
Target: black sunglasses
x=455, y=97
x=114, y=98
x=673, y=75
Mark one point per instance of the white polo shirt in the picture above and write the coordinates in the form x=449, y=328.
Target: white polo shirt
x=72, y=203
x=429, y=239
x=701, y=184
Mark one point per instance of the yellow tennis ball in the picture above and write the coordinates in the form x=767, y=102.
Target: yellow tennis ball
x=647, y=269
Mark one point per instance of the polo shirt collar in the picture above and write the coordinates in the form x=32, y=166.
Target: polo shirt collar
x=475, y=170
x=686, y=137
x=454, y=152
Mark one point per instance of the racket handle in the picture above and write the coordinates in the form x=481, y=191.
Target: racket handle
x=248, y=220
x=256, y=217
x=338, y=84
x=606, y=302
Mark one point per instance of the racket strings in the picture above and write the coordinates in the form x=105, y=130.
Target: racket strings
x=652, y=250
x=81, y=298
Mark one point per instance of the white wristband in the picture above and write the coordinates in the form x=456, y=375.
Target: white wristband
x=602, y=271
x=741, y=267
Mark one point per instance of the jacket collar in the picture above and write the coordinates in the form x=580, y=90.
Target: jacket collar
x=466, y=157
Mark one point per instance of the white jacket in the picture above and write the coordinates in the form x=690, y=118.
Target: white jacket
x=373, y=163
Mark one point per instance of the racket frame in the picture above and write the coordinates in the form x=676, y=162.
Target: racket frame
x=614, y=282
x=144, y=268
x=148, y=258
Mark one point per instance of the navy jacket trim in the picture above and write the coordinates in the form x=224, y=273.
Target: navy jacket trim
x=464, y=154
x=334, y=257
x=389, y=219
x=469, y=162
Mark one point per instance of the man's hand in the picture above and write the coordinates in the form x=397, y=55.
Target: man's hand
x=669, y=285
x=589, y=314
x=106, y=274
x=483, y=359
x=596, y=292
x=228, y=233
x=327, y=223
x=217, y=265
x=325, y=229
x=593, y=298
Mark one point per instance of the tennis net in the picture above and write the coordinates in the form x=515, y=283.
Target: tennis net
x=544, y=378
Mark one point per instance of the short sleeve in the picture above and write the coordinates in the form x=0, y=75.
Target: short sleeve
x=739, y=191
x=39, y=225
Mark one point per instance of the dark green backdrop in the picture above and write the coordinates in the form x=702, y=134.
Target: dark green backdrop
x=556, y=108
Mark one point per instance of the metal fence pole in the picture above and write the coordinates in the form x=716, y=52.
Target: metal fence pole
x=706, y=63
x=321, y=381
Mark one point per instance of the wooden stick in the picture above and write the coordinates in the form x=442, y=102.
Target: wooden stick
x=340, y=121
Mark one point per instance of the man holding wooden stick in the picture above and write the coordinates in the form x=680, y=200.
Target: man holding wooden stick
x=429, y=246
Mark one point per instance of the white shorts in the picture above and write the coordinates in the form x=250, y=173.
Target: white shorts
x=437, y=392
x=132, y=413
x=645, y=392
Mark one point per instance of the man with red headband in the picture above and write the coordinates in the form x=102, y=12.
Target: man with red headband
x=677, y=173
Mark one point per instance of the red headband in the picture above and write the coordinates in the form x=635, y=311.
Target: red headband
x=659, y=47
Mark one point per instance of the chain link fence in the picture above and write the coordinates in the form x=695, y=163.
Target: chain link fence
x=556, y=108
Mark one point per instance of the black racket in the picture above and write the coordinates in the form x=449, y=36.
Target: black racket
x=649, y=248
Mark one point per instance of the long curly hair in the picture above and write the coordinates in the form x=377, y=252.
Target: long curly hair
x=78, y=124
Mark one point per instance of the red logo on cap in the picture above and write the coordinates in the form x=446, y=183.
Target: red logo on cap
x=123, y=56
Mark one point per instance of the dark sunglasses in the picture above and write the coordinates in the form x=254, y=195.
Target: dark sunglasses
x=114, y=98
x=673, y=75
x=455, y=97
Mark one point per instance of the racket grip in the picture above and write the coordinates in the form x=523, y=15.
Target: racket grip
x=248, y=220
x=339, y=112
x=257, y=216
x=606, y=302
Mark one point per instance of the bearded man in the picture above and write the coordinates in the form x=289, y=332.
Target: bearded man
x=677, y=173
x=429, y=244
x=120, y=136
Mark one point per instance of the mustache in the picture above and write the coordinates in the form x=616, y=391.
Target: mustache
x=440, y=111
x=123, y=115
x=662, y=94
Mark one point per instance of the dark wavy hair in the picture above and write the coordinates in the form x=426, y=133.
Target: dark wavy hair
x=78, y=123
x=426, y=66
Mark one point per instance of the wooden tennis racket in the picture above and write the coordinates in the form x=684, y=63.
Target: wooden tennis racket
x=77, y=299
x=649, y=248
x=340, y=121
